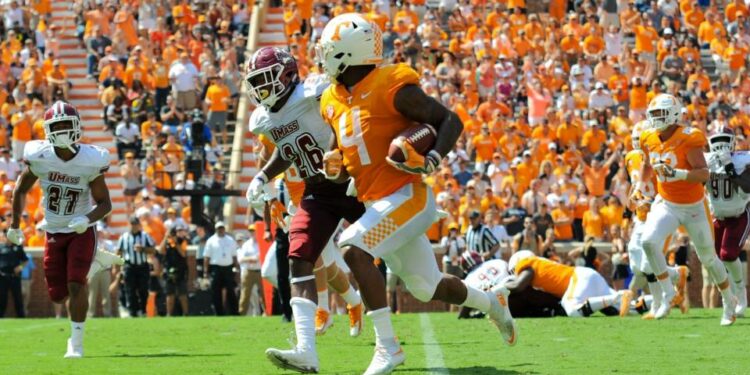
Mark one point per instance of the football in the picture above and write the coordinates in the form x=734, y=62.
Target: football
x=420, y=136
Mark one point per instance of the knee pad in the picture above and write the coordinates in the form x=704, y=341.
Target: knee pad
x=650, y=277
x=420, y=288
x=57, y=293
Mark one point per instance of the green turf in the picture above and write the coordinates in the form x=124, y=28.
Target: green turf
x=689, y=344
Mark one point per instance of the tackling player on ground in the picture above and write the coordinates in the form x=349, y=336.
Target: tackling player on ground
x=288, y=115
x=368, y=105
x=675, y=155
x=729, y=194
x=642, y=201
x=72, y=175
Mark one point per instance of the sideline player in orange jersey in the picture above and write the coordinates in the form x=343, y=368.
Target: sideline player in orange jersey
x=582, y=290
x=675, y=155
x=368, y=105
x=642, y=271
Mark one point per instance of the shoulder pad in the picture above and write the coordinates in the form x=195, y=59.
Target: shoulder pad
x=257, y=120
x=33, y=149
x=314, y=85
x=96, y=156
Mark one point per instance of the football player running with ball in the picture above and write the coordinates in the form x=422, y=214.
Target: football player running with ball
x=368, y=105
x=288, y=115
x=729, y=193
x=71, y=174
x=675, y=155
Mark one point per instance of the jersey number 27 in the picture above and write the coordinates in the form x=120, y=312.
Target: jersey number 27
x=57, y=193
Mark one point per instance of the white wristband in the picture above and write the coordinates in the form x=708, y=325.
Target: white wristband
x=680, y=174
x=262, y=176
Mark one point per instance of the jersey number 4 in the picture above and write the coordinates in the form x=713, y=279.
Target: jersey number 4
x=57, y=193
x=721, y=188
x=352, y=136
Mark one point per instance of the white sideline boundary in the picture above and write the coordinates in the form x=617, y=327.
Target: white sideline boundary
x=432, y=353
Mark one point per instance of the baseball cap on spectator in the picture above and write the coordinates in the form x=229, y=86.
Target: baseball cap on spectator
x=599, y=86
x=576, y=70
x=134, y=220
x=453, y=226
x=516, y=161
x=219, y=224
x=527, y=153
x=7, y=188
x=552, y=146
x=474, y=214
x=668, y=31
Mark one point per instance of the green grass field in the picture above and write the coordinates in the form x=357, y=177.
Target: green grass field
x=682, y=344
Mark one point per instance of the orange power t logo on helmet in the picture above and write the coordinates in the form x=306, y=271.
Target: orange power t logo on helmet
x=336, y=35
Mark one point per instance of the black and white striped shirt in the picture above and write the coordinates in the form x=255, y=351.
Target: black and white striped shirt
x=126, y=245
x=480, y=239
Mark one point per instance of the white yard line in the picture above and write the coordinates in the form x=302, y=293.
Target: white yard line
x=31, y=327
x=432, y=353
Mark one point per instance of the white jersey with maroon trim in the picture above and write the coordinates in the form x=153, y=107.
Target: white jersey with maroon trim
x=65, y=184
x=297, y=129
x=488, y=274
x=726, y=198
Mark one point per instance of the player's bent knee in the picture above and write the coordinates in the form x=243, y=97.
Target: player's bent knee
x=354, y=256
x=57, y=294
x=299, y=267
x=422, y=289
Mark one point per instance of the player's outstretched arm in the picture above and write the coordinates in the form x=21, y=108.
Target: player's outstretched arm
x=100, y=194
x=521, y=282
x=24, y=183
x=415, y=105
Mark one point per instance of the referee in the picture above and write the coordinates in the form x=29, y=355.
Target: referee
x=479, y=237
x=12, y=261
x=134, y=246
x=219, y=257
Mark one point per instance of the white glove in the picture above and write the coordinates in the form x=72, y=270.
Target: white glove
x=79, y=224
x=15, y=236
x=42, y=225
x=255, y=190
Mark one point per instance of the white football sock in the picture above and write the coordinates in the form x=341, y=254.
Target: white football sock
x=304, y=322
x=323, y=303
x=381, y=321
x=666, y=286
x=477, y=299
x=76, y=333
x=351, y=297
x=656, y=294
x=735, y=272
x=598, y=303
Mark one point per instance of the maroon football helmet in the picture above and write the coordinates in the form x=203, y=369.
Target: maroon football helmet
x=59, y=133
x=271, y=73
x=470, y=260
x=721, y=139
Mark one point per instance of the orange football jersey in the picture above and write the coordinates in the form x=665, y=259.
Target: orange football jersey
x=365, y=122
x=295, y=185
x=674, y=153
x=549, y=276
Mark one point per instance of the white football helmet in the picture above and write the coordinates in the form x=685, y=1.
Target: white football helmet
x=349, y=40
x=521, y=254
x=635, y=136
x=721, y=140
x=664, y=111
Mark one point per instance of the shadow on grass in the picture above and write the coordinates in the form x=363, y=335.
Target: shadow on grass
x=473, y=370
x=159, y=355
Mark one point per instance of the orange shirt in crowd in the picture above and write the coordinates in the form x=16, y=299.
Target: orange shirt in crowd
x=593, y=225
x=594, y=179
x=217, y=96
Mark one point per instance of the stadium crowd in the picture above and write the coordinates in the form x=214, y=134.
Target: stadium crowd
x=548, y=97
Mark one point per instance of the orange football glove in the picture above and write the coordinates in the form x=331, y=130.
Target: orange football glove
x=415, y=162
x=277, y=213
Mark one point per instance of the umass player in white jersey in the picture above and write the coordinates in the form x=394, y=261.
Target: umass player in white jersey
x=728, y=192
x=71, y=175
x=288, y=114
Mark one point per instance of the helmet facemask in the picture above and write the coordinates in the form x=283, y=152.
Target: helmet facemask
x=264, y=85
x=63, y=132
x=721, y=143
